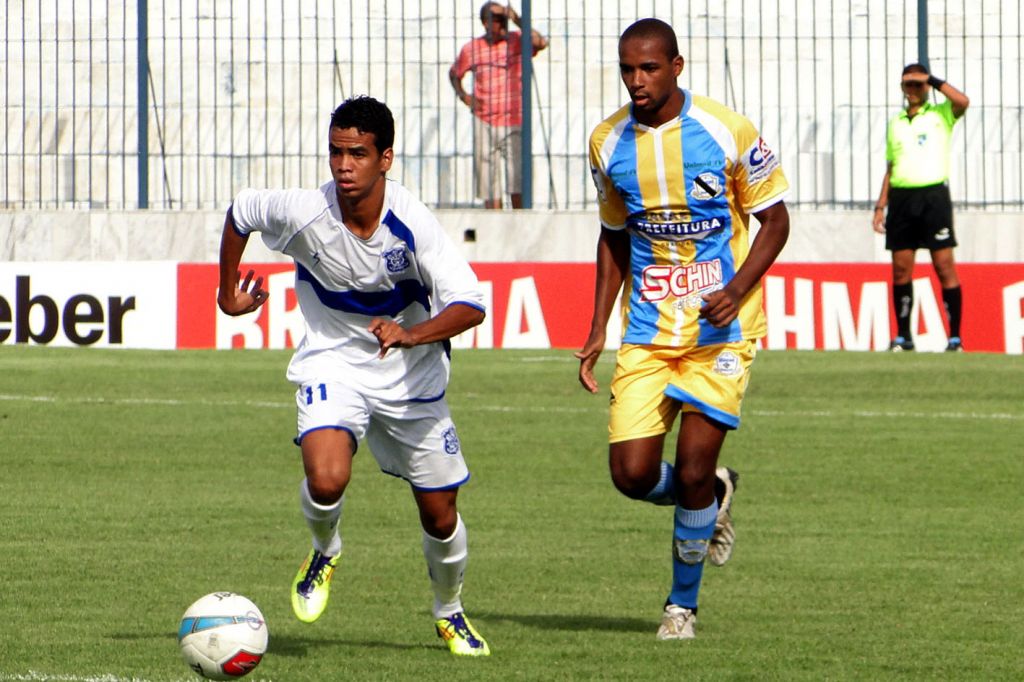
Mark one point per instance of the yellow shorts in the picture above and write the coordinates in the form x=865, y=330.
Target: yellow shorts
x=652, y=383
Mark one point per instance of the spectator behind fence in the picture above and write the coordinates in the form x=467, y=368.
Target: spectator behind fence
x=916, y=190
x=496, y=103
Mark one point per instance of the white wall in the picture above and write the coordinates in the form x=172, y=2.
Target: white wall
x=240, y=92
x=500, y=236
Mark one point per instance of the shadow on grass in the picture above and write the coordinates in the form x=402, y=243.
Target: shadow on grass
x=573, y=623
x=292, y=646
x=288, y=645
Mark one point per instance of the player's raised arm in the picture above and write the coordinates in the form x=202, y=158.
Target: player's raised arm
x=232, y=298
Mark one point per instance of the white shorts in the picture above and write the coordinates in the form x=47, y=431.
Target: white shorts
x=415, y=441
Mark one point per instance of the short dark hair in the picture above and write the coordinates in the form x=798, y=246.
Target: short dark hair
x=656, y=29
x=485, y=9
x=367, y=115
x=914, y=68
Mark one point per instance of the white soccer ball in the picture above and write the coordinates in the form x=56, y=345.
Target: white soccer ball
x=222, y=636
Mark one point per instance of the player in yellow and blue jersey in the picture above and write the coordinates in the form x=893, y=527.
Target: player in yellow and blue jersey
x=678, y=177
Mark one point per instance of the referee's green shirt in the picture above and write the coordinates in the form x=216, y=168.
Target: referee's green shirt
x=918, y=148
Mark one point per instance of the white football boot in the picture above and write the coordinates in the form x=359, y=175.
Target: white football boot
x=724, y=537
x=677, y=623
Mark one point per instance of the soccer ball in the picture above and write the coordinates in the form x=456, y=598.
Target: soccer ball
x=222, y=636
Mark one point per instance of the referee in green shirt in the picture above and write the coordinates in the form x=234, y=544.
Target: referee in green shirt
x=915, y=189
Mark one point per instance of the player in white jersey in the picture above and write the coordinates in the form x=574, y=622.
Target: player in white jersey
x=381, y=289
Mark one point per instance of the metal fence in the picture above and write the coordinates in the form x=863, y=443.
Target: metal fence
x=238, y=94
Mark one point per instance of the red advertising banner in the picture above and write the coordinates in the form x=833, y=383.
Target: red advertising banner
x=848, y=306
x=548, y=305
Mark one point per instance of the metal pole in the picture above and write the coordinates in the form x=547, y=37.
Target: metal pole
x=527, y=129
x=143, y=105
x=922, y=33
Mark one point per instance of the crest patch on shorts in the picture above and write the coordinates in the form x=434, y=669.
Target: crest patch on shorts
x=451, y=441
x=728, y=364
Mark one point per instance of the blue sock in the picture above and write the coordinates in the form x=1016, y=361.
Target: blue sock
x=693, y=530
x=664, y=493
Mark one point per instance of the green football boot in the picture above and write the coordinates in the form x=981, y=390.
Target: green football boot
x=312, y=586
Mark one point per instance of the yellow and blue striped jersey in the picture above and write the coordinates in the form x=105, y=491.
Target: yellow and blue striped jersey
x=685, y=191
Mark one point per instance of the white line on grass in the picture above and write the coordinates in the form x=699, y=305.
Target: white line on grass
x=137, y=401
x=477, y=407
x=874, y=414
x=36, y=676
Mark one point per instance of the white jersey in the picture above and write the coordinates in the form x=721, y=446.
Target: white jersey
x=408, y=270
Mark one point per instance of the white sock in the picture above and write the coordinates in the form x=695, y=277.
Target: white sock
x=446, y=561
x=322, y=521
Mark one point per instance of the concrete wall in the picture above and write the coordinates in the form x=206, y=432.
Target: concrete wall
x=485, y=236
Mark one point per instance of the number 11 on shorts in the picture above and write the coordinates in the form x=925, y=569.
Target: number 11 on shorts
x=309, y=393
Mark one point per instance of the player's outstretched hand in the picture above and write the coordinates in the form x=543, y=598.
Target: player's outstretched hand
x=588, y=358
x=247, y=296
x=720, y=307
x=390, y=335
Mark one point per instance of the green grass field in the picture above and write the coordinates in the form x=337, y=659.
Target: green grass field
x=880, y=524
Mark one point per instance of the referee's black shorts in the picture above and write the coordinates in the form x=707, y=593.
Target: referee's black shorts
x=919, y=218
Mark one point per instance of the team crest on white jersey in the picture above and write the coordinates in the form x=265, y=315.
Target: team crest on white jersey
x=396, y=260
x=451, y=441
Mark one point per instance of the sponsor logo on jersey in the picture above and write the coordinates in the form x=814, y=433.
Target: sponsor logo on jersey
x=922, y=139
x=396, y=260
x=680, y=281
x=706, y=186
x=728, y=364
x=760, y=161
x=451, y=441
x=619, y=175
x=673, y=225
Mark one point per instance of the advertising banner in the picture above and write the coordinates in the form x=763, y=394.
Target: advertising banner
x=147, y=304
x=106, y=305
x=835, y=306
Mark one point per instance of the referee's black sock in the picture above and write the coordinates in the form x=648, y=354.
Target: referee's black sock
x=953, y=301
x=902, y=302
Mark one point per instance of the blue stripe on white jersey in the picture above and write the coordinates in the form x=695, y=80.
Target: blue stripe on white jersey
x=370, y=303
x=400, y=230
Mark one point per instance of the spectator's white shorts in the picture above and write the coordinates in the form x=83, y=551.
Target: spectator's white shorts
x=497, y=156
